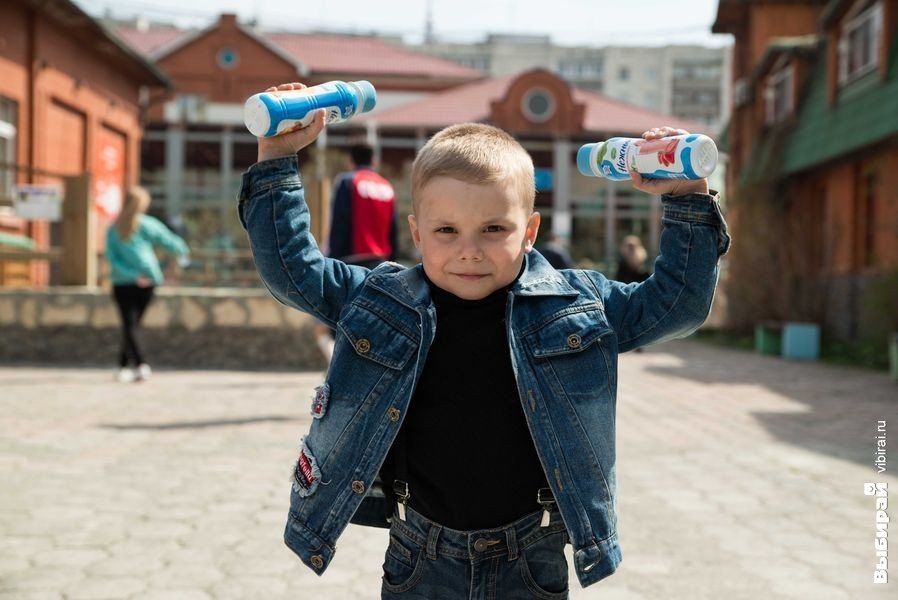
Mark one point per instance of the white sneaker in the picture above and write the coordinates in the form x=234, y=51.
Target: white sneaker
x=144, y=372
x=125, y=375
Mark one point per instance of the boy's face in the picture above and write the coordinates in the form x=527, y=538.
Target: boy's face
x=472, y=238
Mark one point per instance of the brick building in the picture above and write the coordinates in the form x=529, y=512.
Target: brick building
x=813, y=146
x=196, y=146
x=69, y=104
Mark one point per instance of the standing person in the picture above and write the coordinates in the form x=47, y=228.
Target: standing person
x=631, y=264
x=363, y=222
x=363, y=213
x=483, y=381
x=130, y=247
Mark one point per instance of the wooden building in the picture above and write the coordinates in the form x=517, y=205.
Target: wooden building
x=70, y=102
x=813, y=146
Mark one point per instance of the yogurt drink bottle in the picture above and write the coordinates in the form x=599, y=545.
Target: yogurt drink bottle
x=687, y=156
x=272, y=113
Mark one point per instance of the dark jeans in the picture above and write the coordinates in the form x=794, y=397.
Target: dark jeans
x=522, y=560
x=132, y=301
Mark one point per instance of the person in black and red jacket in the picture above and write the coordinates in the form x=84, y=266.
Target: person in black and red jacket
x=363, y=222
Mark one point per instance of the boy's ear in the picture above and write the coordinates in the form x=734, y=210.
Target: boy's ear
x=531, y=232
x=413, y=227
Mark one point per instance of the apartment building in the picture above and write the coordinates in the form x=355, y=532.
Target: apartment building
x=691, y=82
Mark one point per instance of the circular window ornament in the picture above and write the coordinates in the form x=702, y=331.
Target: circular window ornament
x=538, y=105
x=227, y=58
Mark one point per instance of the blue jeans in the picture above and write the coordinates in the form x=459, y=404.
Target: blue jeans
x=522, y=560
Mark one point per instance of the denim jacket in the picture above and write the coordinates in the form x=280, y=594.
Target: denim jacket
x=565, y=330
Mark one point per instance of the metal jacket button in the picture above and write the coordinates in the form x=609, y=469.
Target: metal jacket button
x=362, y=346
x=358, y=487
x=317, y=561
x=573, y=341
x=393, y=413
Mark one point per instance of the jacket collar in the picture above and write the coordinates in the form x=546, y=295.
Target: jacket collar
x=408, y=286
x=541, y=279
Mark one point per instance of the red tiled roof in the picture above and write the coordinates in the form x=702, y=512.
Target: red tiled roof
x=370, y=56
x=471, y=103
x=461, y=104
x=323, y=53
x=604, y=114
x=148, y=42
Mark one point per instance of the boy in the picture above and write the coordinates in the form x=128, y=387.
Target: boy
x=494, y=374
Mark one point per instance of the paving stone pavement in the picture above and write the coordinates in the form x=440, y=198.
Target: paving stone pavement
x=740, y=477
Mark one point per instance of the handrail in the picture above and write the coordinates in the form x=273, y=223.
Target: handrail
x=48, y=254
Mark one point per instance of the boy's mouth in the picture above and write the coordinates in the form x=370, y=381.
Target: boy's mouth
x=470, y=276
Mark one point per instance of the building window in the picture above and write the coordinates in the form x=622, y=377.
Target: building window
x=7, y=146
x=228, y=58
x=779, y=94
x=694, y=71
x=623, y=73
x=538, y=105
x=480, y=63
x=579, y=69
x=859, y=42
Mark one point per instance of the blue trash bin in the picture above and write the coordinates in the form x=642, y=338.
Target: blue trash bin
x=801, y=341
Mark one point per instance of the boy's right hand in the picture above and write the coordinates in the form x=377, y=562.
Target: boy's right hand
x=288, y=144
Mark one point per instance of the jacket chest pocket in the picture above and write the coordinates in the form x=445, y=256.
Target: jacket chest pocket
x=573, y=352
x=373, y=338
x=370, y=353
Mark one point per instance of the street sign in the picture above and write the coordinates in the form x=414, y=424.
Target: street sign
x=38, y=201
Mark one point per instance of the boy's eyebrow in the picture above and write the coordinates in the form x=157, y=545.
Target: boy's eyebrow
x=451, y=221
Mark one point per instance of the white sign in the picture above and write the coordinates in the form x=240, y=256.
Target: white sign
x=38, y=202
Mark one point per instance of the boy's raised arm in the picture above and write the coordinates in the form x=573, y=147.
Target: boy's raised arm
x=273, y=211
x=676, y=299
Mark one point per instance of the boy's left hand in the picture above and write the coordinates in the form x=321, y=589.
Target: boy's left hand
x=671, y=187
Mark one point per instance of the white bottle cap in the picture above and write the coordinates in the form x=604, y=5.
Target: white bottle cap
x=256, y=116
x=704, y=157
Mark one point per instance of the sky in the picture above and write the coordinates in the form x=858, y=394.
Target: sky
x=567, y=22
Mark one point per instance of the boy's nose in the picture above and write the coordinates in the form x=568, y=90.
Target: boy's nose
x=471, y=252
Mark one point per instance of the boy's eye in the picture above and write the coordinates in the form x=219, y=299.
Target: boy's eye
x=446, y=229
x=494, y=228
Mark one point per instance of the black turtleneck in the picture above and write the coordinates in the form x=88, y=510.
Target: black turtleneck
x=471, y=463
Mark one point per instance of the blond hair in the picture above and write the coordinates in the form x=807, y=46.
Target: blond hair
x=478, y=154
x=137, y=201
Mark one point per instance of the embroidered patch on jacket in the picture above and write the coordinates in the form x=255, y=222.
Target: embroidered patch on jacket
x=320, y=399
x=306, y=475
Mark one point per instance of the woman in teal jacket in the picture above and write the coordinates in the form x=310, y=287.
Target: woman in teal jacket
x=130, y=246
